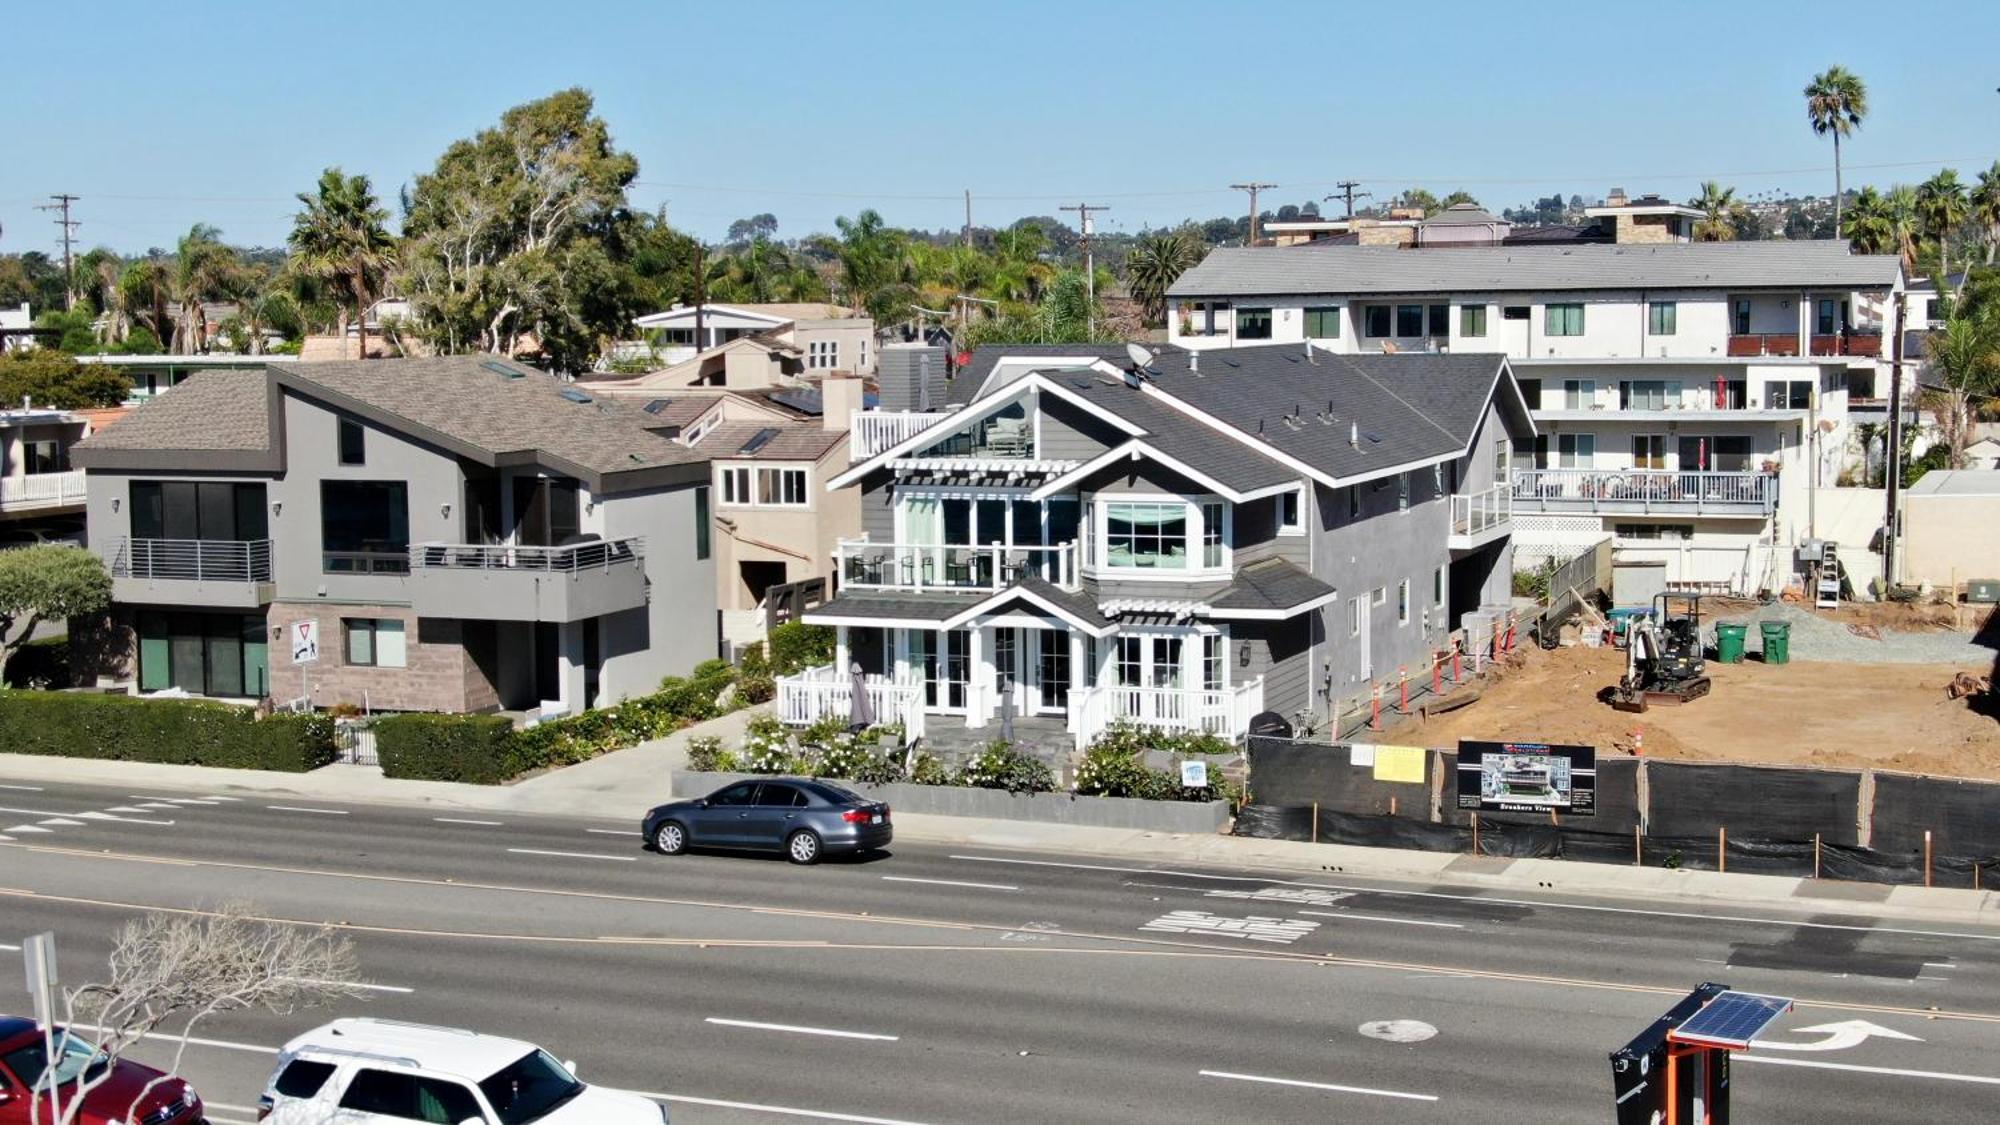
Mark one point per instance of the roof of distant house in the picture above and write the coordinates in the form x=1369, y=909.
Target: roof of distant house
x=1310, y=269
x=1463, y=215
x=1957, y=482
x=764, y=441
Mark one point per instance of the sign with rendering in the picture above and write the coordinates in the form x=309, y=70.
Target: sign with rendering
x=305, y=642
x=1194, y=775
x=1528, y=777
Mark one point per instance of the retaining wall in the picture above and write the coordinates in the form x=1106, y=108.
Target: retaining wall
x=1201, y=817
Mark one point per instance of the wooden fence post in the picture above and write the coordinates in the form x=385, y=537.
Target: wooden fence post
x=1927, y=857
x=1315, y=822
x=1722, y=849
x=1815, y=855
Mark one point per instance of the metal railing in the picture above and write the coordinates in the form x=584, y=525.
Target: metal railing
x=1589, y=489
x=1225, y=712
x=192, y=560
x=921, y=566
x=872, y=431
x=1475, y=513
x=41, y=490
x=820, y=691
x=594, y=554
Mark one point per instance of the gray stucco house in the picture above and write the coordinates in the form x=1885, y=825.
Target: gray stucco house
x=466, y=533
x=1184, y=544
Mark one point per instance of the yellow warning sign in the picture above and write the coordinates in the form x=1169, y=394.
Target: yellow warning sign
x=1400, y=763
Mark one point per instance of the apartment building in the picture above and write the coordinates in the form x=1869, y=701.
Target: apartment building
x=1075, y=539
x=462, y=533
x=1691, y=399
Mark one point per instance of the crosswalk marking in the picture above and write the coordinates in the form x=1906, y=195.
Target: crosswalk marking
x=1298, y=896
x=1282, y=931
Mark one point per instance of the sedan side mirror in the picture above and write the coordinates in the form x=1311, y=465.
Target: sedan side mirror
x=701, y=804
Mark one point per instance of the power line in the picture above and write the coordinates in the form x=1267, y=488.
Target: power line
x=1083, y=211
x=1253, y=188
x=1348, y=195
x=68, y=225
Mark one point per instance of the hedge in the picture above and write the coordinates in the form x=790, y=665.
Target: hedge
x=185, y=732
x=475, y=748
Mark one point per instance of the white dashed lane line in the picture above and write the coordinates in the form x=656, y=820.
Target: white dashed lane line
x=23, y=788
x=306, y=809
x=463, y=820
x=1328, y=1086
x=574, y=855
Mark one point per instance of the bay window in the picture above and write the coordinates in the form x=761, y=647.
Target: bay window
x=1164, y=535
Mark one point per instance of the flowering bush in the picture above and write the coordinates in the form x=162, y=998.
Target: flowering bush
x=768, y=749
x=707, y=753
x=1000, y=766
x=1112, y=767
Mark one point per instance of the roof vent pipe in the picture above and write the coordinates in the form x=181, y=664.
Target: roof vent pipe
x=1194, y=363
x=1354, y=434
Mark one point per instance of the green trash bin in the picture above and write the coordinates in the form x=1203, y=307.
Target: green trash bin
x=1729, y=638
x=1777, y=642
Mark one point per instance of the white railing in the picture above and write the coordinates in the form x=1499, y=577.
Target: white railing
x=191, y=560
x=1620, y=490
x=591, y=554
x=872, y=431
x=1226, y=713
x=818, y=692
x=864, y=565
x=41, y=490
x=1476, y=513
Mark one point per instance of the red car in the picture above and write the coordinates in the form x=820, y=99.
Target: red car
x=23, y=1057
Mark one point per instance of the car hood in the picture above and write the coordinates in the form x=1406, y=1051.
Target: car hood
x=606, y=1107
x=115, y=1096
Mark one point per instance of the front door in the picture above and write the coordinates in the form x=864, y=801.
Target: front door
x=1052, y=670
x=1017, y=666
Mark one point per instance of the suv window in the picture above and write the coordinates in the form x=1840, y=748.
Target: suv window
x=740, y=793
x=410, y=1097
x=302, y=1078
x=780, y=796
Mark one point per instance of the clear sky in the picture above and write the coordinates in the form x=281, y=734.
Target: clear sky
x=162, y=115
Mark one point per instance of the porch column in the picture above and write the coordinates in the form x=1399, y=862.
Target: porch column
x=570, y=668
x=978, y=676
x=899, y=646
x=1078, y=676
x=840, y=660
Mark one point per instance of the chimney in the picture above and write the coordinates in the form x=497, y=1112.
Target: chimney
x=1616, y=198
x=840, y=397
x=911, y=376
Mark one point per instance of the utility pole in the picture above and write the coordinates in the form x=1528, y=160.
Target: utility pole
x=1083, y=211
x=68, y=225
x=1348, y=195
x=1893, y=456
x=700, y=292
x=968, y=218
x=1253, y=188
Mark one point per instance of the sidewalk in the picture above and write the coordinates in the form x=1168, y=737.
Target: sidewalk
x=622, y=786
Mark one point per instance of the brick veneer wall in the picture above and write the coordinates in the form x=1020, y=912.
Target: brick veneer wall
x=440, y=674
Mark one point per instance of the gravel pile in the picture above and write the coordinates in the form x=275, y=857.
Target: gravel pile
x=1817, y=638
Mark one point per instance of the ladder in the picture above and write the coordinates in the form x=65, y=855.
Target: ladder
x=1826, y=588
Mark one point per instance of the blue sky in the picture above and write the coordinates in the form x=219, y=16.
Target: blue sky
x=161, y=115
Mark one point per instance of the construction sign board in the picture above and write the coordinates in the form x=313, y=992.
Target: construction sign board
x=1527, y=777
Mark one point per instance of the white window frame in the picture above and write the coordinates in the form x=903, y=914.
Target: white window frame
x=1379, y=596
x=1576, y=456
x=734, y=486
x=1354, y=616
x=822, y=355
x=741, y=485
x=699, y=430
x=1196, y=531
x=864, y=353
x=1297, y=525
x=1194, y=649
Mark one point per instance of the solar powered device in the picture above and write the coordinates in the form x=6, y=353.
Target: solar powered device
x=1676, y=1072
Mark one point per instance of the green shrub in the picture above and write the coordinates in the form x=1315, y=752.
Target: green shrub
x=473, y=748
x=756, y=688
x=706, y=753
x=1000, y=766
x=189, y=732
x=768, y=749
x=795, y=646
x=1111, y=767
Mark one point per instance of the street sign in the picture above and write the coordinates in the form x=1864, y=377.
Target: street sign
x=305, y=642
x=1194, y=775
x=39, y=953
x=1527, y=777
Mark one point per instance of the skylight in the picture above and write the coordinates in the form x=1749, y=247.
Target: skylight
x=759, y=440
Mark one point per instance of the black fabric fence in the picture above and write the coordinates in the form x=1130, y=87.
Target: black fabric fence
x=1695, y=799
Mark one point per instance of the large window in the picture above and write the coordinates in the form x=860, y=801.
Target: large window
x=364, y=526
x=1563, y=320
x=1375, y=320
x=1409, y=320
x=1739, y=316
x=1650, y=394
x=1649, y=451
x=45, y=457
x=781, y=487
x=1827, y=318
x=1253, y=324
x=1575, y=451
x=1662, y=317
x=736, y=485
x=1291, y=517
x=376, y=642
x=1440, y=316
x=1214, y=666
x=219, y=654
x=701, y=522
x=1145, y=536
x=1211, y=534
x=1720, y=453
x=1323, y=324
x=1472, y=320
x=1579, y=394
x=823, y=355
x=212, y=510
x=353, y=442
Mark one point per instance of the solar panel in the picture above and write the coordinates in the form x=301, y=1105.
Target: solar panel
x=759, y=440
x=1731, y=1020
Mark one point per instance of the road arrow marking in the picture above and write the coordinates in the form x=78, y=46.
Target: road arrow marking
x=1839, y=1036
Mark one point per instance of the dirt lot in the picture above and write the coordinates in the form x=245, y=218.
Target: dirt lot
x=1892, y=716
x=1902, y=617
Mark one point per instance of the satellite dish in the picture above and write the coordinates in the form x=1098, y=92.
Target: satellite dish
x=1140, y=357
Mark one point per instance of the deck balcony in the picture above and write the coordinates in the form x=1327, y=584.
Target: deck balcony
x=219, y=573
x=41, y=492
x=872, y=431
x=921, y=567
x=1645, y=492
x=499, y=582
x=1479, y=518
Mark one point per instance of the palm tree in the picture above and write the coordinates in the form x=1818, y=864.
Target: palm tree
x=1985, y=207
x=1836, y=101
x=1941, y=207
x=1720, y=210
x=144, y=288
x=1964, y=364
x=1155, y=264
x=1870, y=229
x=339, y=237
x=205, y=269
x=1902, y=206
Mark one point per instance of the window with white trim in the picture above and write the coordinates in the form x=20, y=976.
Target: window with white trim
x=1378, y=596
x=1403, y=492
x=1403, y=602
x=1354, y=617
x=1291, y=512
x=1214, y=664
x=1211, y=534
x=822, y=355
x=736, y=485
x=781, y=488
x=1164, y=535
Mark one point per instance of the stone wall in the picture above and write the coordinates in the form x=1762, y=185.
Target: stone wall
x=439, y=673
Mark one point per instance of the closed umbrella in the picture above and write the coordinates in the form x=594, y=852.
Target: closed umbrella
x=860, y=712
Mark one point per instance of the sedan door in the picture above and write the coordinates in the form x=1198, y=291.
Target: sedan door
x=726, y=820
x=775, y=815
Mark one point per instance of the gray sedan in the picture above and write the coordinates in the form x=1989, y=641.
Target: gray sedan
x=802, y=817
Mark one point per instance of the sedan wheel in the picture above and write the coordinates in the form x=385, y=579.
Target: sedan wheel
x=803, y=847
x=670, y=838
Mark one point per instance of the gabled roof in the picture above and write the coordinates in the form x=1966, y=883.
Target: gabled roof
x=1173, y=439
x=222, y=420
x=1338, y=270
x=965, y=386
x=1270, y=589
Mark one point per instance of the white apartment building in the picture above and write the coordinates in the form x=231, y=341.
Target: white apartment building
x=1691, y=399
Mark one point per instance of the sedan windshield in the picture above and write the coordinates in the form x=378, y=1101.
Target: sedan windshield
x=29, y=1063
x=529, y=1088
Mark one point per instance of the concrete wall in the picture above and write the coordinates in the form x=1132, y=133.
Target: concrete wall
x=1205, y=818
x=677, y=628
x=1947, y=538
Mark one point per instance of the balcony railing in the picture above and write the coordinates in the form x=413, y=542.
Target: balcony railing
x=919, y=566
x=820, y=691
x=595, y=554
x=41, y=490
x=1225, y=711
x=1642, y=490
x=1852, y=343
x=192, y=560
x=1476, y=513
x=872, y=431
x=1766, y=343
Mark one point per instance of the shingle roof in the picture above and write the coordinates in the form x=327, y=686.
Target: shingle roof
x=965, y=385
x=1463, y=214
x=1179, y=436
x=208, y=410
x=1270, y=584
x=678, y=410
x=1254, y=271
x=917, y=607
x=804, y=441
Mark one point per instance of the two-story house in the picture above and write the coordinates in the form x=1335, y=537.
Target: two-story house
x=36, y=477
x=1690, y=398
x=1184, y=544
x=463, y=533
x=811, y=336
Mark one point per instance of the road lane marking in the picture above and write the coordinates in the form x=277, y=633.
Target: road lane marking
x=359, y=984
x=1937, y=1075
x=1404, y=1094
x=1477, y=898
x=23, y=788
x=462, y=820
x=124, y=809
x=26, y=828
x=190, y=801
x=1281, y=931
x=1381, y=918
x=796, y=1029
x=232, y=800
x=10, y=948
x=950, y=883
x=613, y=831
x=776, y=1110
x=104, y=817
x=219, y=1044
x=157, y=805
x=574, y=855
x=63, y=822
x=303, y=808
x=147, y=797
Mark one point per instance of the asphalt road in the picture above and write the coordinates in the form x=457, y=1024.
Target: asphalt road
x=982, y=985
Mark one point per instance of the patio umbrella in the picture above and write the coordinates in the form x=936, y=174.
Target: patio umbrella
x=860, y=712
x=1006, y=710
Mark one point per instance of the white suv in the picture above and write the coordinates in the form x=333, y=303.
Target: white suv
x=364, y=1071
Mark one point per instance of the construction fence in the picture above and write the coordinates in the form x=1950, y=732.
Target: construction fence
x=1861, y=825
